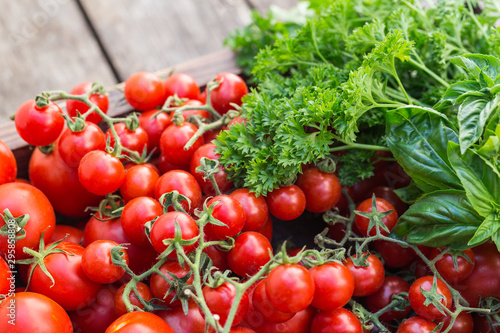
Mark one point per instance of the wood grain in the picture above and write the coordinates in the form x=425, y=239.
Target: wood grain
x=45, y=45
x=262, y=5
x=151, y=34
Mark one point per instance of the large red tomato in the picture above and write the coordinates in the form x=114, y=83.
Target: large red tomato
x=139, y=322
x=8, y=165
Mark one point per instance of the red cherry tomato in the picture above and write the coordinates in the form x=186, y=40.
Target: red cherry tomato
x=39, y=126
x=144, y=91
x=265, y=307
x=136, y=140
x=290, y=288
x=7, y=281
x=393, y=254
x=164, y=228
x=183, y=85
x=135, y=214
x=250, y=252
x=228, y=211
x=256, y=209
x=72, y=234
x=143, y=291
x=382, y=206
x=416, y=325
x=139, y=321
x=199, y=112
x=367, y=280
x=231, y=89
x=334, y=286
x=8, y=165
x=220, y=300
x=101, y=173
x=383, y=296
x=463, y=323
x=154, y=126
x=339, y=320
x=140, y=180
x=417, y=299
x=192, y=322
x=110, y=229
x=160, y=288
x=97, y=264
x=221, y=177
x=447, y=269
x=73, y=106
x=173, y=140
x=322, y=190
x=299, y=323
x=286, y=203
x=184, y=183
x=74, y=145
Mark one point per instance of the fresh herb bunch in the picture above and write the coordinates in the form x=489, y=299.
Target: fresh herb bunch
x=328, y=86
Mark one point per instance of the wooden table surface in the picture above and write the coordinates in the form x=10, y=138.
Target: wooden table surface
x=55, y=44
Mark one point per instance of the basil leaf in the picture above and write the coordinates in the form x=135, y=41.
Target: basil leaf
x=456, y=90
x=440, y=218
x=418, y=138
x=410, y=193
x=474, y=63
x=472, y=117
x=490, y=227
x=479, y=181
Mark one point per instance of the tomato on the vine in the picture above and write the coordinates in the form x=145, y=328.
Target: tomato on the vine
x=73, y=106
x=250, y=252
x=416, y=325
x=231, y=89
x=220, y=300
x=334, y=286
x=322, y=190
x=135, y=214
x=139, y=321
x=160, y=288
x=39, y=126
x=382, y=206
x=97, y=263
x=367, y=279
x=135, y=140
x=144, y=293
x=101, y=173
x=140, y=180
x=182, y=85
x=339, y=320
x=144, y=91
x=221, y=177
x=74, y=145
x=256, y=209
x=154, y=126
x=8, y=169
x=392, y=285
x=417, y=298
x=451, y=273
x=173, y=140
x=184, y=183
x=228, y=211
x=287, y=202
x=164, y=228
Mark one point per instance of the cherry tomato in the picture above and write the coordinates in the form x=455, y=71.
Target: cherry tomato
x=74, y=145
x=72, y=234
x=228, y=211
x=388, y=194
x=367, y=280
x=417, y=299
x=73, y=106
x=140, y=180
x=393, y=254
x=101, y=173
x=154, y=126
x=290, y=288
x=218, y=257
x=71, y=288
x=182, y=85
x=110, y=229
x=144, y=91
x=23, y=199
x=135, y=214
x=299, y=323
x=220, y=300
x=334, y=286
x=139, y=321
x=231, y=90
x=39, y=126
x=221, y=177
x=173, y=140
x=136, y=140
x=164, y=228
x=192, y=322
x=322, y=190
x=143, y=291
x=141, y=257
x=165, y=166
x=265, y=307
x=184, y=183
x=60, y=184
x=416, y=325
x=484, y=324
x=447, y=269
x=336, y=321
x=267, y=228
x=160, y=288
x=31, y=312
x=256, y=209
x=7, y=279
x=96, y=317
x=463, y=323
x=250, y=252
x=286, y=203
x=382, y=206
x=97, y=264
x=8, y=169
x=383, y=296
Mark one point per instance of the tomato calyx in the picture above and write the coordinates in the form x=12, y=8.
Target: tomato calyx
x=48, y=149
x=42, y=100
x=327, y=165
x=210, y=168
x=375, y=217
x=110, y=208
x=173, y=199
x=14, y=225
x=433, y=297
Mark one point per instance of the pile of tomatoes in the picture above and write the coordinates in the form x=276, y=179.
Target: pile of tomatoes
x=159, y=208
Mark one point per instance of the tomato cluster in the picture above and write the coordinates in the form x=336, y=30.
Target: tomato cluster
x=173, y=246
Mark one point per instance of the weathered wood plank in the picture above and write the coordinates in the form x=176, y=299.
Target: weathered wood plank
x=202, y=69
x=44, y=45
x=262, y=5
x=150, y=34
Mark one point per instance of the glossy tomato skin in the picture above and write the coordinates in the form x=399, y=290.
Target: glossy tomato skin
x=256, y=209
x=290, y=288
x=74, y=145
x=172, y=142
x=139, y=322
x=367, y=280
x=72, y=234
x=182, y=85
x=463, y=323
x=110, y=229
x=250, y=252
x=286, y=203
x=299, y=323
x=228, y=211
x=60, y=184
x=23, y=199
x=416, y=325
x=164, y=228
x=192, y=322
x=417, y=299
x=184, y=183
x=69, y=278
x=322, y=190
x=6, y=277
x=382, y=206
x=8, y=165
x=160, y=287
x=393, y=254
x=218, y=257
x=135, y=214
x=447, y=269
x=135, y=140
x=220, y=300
x=39, y=126
x=231, y=90
x=97, y=264
x=265, y=307
x=483, y=324
x=144, y=91
x=101, y=173
x=101, y=100
x=221, y=177
x=33, y=313
x=392, y=285
x=334, y=286
x=154, y=126
x=339, y=320
x=142, y=289
x=140, y=180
